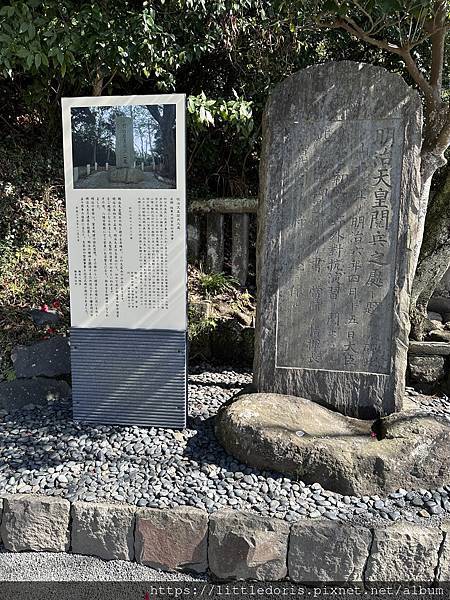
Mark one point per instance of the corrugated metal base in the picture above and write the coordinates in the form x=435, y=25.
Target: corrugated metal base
x=129, y=376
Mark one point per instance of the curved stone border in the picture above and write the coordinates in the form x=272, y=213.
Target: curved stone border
x=228, y=544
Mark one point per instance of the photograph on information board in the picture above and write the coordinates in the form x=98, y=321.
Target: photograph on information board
x=124, y=147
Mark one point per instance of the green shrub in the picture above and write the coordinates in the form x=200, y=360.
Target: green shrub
x=33, y=248
x=213, y=284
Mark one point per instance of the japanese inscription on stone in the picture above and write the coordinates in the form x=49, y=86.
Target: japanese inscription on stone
x=337, y=228
x=124, y=142
x=343, y=235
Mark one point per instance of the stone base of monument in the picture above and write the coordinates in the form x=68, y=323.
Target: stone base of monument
x=303, y=439
x=165, y=180
x=126, y=175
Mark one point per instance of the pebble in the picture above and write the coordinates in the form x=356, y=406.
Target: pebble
x=394, y=515
x=416, y=501
x=332, y=516
x=423, y=513
x=165, y=468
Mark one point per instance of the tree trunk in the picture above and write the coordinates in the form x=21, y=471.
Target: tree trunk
x=168, y=142
x=434, y=219
x=97, y=86
x=434, y=258
x=166, y=122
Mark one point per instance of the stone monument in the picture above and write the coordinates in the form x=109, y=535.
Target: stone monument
x=339, y=199
x=125, y=171
x=124, y=142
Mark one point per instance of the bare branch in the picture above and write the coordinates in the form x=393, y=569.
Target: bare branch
x=365, y=13
x=113, y=74
x=420, y=18
x=403, y=51
x=400, y=31
x=421, y=40
x=410, y=28
x=351, y=27
x=415, y=73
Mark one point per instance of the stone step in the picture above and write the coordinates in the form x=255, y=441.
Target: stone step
x=436, y=348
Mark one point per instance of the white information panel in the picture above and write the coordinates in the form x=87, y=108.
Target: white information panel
x=125, y=182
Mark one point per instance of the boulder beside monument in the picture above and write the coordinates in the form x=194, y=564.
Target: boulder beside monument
x=408, y=449
x=337, y=224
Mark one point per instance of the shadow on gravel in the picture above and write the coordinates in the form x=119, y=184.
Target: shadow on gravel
x=203, y=447
x=56, y=440
x=206, y=450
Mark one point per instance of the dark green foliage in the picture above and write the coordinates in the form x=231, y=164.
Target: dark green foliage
x=225, y=55
x=33, y=254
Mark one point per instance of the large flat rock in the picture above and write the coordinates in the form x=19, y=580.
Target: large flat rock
x=443, y=573
x=298, y=437
x=429, y=348
x=172, y=539
x=426, y=369
x=328, y=551
x=404, y=553
x=47, y=358
x=103, y=530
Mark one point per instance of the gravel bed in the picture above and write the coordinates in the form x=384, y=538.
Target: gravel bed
x=43, y=451
x=60, y=566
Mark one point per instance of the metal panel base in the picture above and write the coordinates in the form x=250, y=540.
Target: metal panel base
x=129, y=376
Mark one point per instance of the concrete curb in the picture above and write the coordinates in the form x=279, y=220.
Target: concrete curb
x=228, y=544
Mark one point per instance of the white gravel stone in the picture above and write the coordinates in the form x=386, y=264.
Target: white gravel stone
x=44, y=566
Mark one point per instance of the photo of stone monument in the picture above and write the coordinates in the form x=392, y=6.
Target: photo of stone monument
x=124, y=147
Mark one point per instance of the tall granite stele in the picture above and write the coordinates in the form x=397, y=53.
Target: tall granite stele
x=337, y=223
x=124, y=142
x=125, y=171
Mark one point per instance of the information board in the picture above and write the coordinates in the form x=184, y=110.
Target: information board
x=126, y=202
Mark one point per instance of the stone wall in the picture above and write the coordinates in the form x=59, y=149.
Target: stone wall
x=228, y=544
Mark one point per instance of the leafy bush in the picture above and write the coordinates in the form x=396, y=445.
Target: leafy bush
x=213, y=284
x=33, y=250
